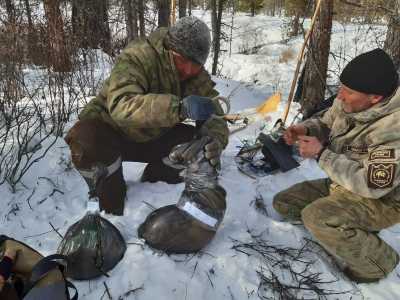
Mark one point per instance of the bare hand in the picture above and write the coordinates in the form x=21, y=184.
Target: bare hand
x=309, y=146
x=293, y=132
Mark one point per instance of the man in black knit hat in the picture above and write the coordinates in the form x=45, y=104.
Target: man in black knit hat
x=357, y=143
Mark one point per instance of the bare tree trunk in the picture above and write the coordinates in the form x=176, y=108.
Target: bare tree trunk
x=182, y=8
x=90, y=24
x=59, y=57
x=130, y=7
x=36, y=52
x=172, y=17
x=253, y=8
x=10, y=8
x=190, y=7
x=392, y=42
x=316, y=65
x=11, y=32
x=273, y=9
x=233, y=6
x=213, y=5
x=10, y=73
x=295, y=25
x=163, y=13
x=216, y=19
x=142, y=26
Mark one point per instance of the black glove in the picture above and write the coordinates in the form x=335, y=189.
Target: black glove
x=197, y=108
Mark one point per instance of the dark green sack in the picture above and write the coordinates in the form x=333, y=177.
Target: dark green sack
x=92, y=246
x=191, y=224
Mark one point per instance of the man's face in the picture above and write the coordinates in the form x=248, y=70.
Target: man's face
x=354, y=101
x=186, y=68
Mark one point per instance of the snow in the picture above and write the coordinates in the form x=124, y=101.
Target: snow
x=55, y=193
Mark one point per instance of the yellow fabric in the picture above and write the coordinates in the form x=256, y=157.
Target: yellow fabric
x=269, y=105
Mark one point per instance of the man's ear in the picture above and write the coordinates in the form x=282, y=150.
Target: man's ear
x=376, y=98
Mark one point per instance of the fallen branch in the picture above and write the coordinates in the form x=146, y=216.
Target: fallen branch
x=285, y=272
x=29, y=198
x=56, y=230
x=128, y=293
x=208, y=276
x=107, y=290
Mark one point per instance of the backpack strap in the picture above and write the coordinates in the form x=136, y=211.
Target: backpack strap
x=43, y=267
x=70, y=285
x=3, y=238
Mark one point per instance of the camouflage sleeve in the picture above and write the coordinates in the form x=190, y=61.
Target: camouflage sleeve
x=216, y=127
x=128, y=102
x=321, y=127
x=373, y=177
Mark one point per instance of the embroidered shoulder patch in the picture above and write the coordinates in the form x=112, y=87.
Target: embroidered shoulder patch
x=356, y=149
x=381, y=175
x=382, y=154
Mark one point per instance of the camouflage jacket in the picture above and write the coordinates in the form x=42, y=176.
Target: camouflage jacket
x=363, y=152
x=141, y=97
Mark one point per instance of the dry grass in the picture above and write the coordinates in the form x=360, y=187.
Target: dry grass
x=286, y=55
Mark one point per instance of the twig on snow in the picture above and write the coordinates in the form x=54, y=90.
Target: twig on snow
x=149, y=205
x=29, y=198
x=56, y=230
x=194, y=269
x=132, y=291
x=208, y=276
x=107, y=290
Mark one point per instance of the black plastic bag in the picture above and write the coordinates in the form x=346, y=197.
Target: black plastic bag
x=93, y=246
x=191, y=224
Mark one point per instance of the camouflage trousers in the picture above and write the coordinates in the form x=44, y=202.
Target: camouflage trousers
x=345, y=224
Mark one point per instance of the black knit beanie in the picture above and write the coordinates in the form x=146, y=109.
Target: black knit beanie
x=372, y=72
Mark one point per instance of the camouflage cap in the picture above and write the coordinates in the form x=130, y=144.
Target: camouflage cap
x=191, y=37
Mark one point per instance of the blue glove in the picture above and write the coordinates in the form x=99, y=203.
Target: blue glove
x=197, y=108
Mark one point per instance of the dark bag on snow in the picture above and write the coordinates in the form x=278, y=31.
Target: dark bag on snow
x=92, y=246
x=35, y=277
x=192, y=223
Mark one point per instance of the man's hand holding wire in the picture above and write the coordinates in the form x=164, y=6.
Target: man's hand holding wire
x=309, y=146
x=293, y=132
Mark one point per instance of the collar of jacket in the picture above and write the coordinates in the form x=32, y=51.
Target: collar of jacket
x=388, y=106
x=157, y=40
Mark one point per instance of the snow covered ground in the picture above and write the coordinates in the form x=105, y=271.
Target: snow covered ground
x=55, y=193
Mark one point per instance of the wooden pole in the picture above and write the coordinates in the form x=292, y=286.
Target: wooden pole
x=299, y=60
x=173, y=14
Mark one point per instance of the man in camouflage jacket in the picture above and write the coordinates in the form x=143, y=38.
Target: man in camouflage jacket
x=156, y=83
x=357, y=143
